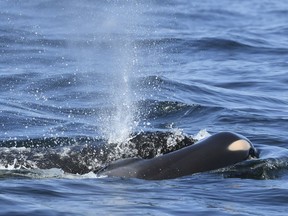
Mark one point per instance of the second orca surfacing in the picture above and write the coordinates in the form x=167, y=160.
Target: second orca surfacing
x=217, y=151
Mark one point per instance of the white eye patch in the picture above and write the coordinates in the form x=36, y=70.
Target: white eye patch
x=239, y=145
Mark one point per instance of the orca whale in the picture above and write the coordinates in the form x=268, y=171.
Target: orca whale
x=217, y=151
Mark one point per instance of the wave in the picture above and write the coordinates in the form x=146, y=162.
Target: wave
x=239, y=44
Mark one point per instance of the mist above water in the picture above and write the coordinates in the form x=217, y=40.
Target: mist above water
x=110, y=57
x=121, y=29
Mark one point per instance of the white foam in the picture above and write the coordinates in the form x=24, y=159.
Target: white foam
x=176, y=137
x=202, y=134
x=9, y=166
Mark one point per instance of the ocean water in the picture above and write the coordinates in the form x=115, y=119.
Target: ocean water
x=76, y=75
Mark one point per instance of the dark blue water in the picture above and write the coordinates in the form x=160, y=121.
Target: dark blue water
x=78, y=73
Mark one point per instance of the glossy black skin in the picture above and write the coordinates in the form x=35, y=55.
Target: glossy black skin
x=209, y=154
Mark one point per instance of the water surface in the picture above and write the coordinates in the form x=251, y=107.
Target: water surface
x=77, y=73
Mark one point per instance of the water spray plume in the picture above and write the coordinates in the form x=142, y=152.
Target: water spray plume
x=120, y=27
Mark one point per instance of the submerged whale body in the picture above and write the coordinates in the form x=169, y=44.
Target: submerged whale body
x=217, y=151
x=82, y=155
x=146, y=155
